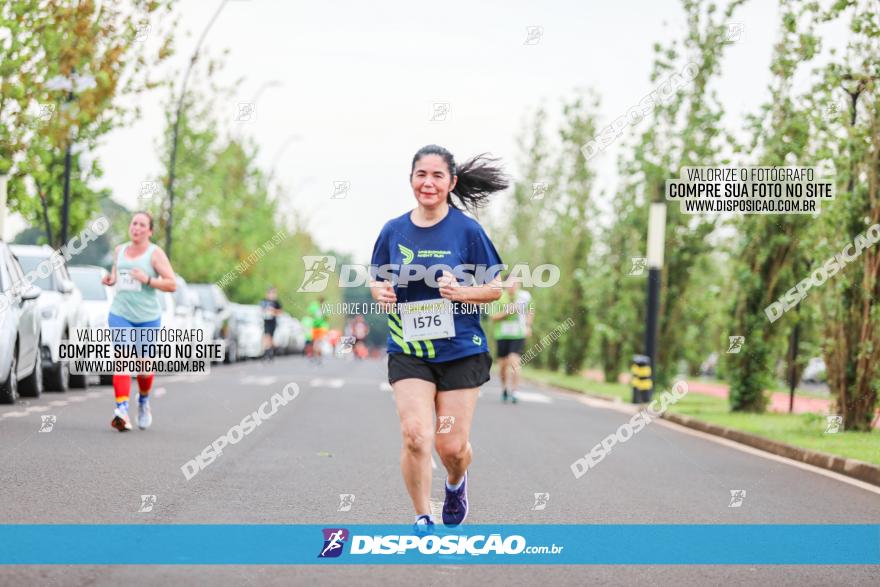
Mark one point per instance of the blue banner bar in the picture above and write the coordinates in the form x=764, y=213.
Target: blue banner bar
x=270, y=544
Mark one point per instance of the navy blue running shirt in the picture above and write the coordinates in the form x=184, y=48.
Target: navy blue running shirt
x=456, y=240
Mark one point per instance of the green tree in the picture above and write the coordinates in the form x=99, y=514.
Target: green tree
x=64, y=65
x=771, y=247
x=685, y=132
x=227, y=228
x=850, y=144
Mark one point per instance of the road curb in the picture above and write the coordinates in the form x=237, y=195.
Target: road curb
x=850, y=467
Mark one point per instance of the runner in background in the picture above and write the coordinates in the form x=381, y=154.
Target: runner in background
x=140, y=268
x=271, y=308
x=513, y=316
x=360, y=330
x=306, y=322
x=319, y=328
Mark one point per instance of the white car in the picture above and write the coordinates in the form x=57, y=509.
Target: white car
x=21, y=371
x=97, y=298
x=295, y=336
x=217, y=309
x=172, y=316
x=250, y=330
x=61, y=308
x=188, y=309
x=283, y=337
x=815, y=371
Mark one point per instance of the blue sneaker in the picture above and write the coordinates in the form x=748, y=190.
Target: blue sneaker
x=145, y=414
x=455, y=506
x=424, y=525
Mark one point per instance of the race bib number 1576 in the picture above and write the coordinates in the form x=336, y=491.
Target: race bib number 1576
x=427, y=320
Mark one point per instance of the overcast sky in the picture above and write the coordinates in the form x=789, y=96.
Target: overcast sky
x=359, y=82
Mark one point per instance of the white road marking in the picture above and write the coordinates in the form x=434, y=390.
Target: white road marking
x=159, y=391
x=385, y=386
x=95, y=393
x=38, y=409
x=433, y=463
x=331, y=383
x=258, y=380
x=770, y=456
x=77, y=398
x=631, y=409
x=15, y=414
x=534, y=397
x=58, y=402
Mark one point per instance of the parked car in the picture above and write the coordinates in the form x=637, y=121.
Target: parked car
x=296, y=340
x=61, y=309
x=219, y=314
x=21, y=367
x=249, y=334
x=172, y=315
x=283, y=337
x=97, y=299
x=189, y=309
x=815, y=371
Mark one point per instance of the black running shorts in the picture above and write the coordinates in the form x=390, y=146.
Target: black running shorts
x=510, y=345
x=463, y=373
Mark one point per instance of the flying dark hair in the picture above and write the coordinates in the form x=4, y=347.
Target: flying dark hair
x=147, y=214
x=478, y=177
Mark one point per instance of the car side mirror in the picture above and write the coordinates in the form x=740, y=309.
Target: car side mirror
x=31, y=293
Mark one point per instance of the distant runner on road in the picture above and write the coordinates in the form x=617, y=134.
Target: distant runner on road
x=513, y=323
x=271, y=309
x=139, y=269
x=437, y=353
x=315, y=310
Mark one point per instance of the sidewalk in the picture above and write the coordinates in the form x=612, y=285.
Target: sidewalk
x=778, y=400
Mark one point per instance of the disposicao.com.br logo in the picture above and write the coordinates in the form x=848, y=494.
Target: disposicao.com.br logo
x=335, y=539
x=320, y=268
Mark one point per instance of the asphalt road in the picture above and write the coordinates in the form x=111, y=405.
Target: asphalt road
x=340, y=436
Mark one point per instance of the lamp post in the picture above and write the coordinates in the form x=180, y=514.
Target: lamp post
x=79, y=83
x=656, y=239
x=173, y=162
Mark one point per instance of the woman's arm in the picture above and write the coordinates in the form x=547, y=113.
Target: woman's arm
x=111, y=279
x=383, y=292
x=166, y=280
x=472, y=294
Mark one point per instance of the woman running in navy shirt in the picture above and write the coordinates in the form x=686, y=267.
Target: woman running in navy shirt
x=432, y=267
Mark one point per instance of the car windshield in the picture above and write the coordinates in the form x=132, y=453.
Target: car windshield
x=29, y=265
x=89, y=283
x=248, y=314
x=181, y=295
x=206, y=298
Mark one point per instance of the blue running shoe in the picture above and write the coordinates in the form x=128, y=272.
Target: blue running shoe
x=424, y=525
x=455, y=506
x=145, y=414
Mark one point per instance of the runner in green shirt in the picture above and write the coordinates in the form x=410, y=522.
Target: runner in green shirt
x=513, y=316
x=319, y=326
